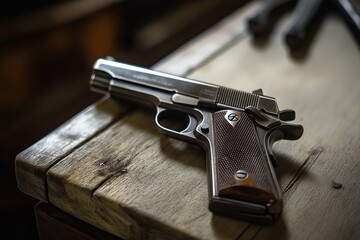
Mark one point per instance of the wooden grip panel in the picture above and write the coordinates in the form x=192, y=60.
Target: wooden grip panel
x=242, y=166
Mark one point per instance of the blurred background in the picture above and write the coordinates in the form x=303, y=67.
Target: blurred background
x=47, y=49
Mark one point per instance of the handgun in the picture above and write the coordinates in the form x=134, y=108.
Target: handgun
x=235, y=128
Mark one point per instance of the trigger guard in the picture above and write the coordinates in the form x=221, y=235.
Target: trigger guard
x=187, y=133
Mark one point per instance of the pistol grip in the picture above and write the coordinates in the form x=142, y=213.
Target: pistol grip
x=242, y=170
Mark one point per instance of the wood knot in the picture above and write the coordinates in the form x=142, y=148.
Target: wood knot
x=111, y=166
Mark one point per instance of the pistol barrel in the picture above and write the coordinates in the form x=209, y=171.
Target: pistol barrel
x=192, y=91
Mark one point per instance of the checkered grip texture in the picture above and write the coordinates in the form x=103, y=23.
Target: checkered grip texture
x=239, y=148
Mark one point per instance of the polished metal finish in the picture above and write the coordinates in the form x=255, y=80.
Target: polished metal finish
x=185, y=91
x=157, y=79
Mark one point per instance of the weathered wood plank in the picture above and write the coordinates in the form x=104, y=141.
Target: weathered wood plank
x=135, y=183
x=159, y=182
x=153, y=187
x=324, y=91
x=323, y=203
x=56, y=224
x=32, y=164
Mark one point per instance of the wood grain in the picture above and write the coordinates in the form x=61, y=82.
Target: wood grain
x=135, y=183
x=55, y=224
x=32, y=164
x=324, y=91
x=155, y=182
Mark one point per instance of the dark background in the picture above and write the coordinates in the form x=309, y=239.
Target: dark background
x=47, y=49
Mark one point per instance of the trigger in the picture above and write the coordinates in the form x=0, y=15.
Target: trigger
x=191, y=125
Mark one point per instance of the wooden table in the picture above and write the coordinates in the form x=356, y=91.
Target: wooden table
x=110, y=167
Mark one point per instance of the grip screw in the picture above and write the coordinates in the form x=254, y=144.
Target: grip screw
x=241, y=174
